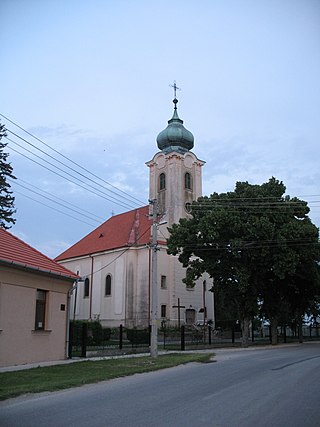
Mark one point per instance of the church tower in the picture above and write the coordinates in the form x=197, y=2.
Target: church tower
x=175, y=172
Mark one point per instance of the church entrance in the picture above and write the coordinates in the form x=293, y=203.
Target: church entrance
x=190, y=316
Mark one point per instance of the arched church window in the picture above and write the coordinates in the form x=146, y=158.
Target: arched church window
x=187, y=207
x=108, y=286
x=162, y=181
x=187, y=181
x=86, y=287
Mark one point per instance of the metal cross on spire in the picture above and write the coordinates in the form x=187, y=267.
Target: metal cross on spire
x=175, y=88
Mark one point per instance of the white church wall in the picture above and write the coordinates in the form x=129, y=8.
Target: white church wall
x=190, y=298
x=96, y=288
x=112, y=307
x=142, y=285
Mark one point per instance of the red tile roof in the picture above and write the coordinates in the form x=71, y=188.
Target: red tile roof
x=123, y=230
x=15, y=252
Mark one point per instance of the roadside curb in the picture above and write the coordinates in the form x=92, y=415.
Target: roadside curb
x=216, y=351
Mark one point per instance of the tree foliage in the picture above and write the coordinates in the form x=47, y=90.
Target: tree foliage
x=258, y=245
x=6, y=198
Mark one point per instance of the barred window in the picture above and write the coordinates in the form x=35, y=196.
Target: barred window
x=162, y=181
x=163, y=311
x=187, y=181
x=40, y=309
x=163, y=282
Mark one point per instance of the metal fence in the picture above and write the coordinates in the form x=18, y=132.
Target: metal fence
x=86, y=341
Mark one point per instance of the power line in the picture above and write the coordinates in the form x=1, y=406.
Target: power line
x=65, y=165
x=51, y=207
x=249, y=245
x=122, y=253
x=58, y=203
x=70, y=160
x=59, y=198
x=109, y=198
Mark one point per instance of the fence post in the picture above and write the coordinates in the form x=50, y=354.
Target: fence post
x=164, y=335
x=183, y=346
x=120, y=337
x=150, y=327
x=285, y=334
x=84, y=340
x=232, y=338
x=210, y=330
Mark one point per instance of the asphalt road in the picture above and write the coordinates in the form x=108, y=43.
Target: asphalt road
x=265, y=387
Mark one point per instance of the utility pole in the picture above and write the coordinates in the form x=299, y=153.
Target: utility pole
x=204, y=310
x=154, y=282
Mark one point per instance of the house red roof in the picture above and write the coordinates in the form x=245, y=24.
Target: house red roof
x=130, y=228
x=15, y=252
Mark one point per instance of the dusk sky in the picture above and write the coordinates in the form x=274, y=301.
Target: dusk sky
x=91, y=79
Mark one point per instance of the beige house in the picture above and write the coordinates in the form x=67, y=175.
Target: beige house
x=115, y=259
x=33, y=304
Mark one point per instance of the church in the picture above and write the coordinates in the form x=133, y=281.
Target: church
x=115, y=260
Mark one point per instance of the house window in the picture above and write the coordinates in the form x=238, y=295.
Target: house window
x=86, y=288
x=162, y=181
x=187, y=181
x=163, y=282
x=108, y=286
x=40, y=309
x=163, y=311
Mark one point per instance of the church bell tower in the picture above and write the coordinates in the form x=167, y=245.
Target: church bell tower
x=175, y=171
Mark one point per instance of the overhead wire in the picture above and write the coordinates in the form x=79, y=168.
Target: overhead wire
x=59, y=198
x=70, y=160
x=122, y=253
x=249, y=245
x=57, y=210
x=109, y=198
x=58, y=203
x=65, y=165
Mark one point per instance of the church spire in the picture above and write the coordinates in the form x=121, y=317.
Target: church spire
x=175, y=137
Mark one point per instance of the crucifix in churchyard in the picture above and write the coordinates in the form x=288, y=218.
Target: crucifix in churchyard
x=179, y=308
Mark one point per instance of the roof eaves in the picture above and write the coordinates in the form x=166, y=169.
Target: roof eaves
x=56, y=274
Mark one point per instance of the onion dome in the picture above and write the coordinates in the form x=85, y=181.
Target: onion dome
x=175, y=137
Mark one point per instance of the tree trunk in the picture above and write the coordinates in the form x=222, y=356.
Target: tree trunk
x=274, y=331
x=245, y=332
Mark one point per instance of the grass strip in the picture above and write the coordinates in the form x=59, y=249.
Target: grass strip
x=58, y=377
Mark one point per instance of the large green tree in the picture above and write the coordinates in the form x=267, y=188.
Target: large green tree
x=6, y=198
x=255, y=243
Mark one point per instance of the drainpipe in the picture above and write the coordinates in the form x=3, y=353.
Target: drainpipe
x=149, y=289
x=91, y=285
x=70, y=291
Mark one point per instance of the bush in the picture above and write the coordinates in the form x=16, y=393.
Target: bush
x=138, y=336
x=96, y=334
